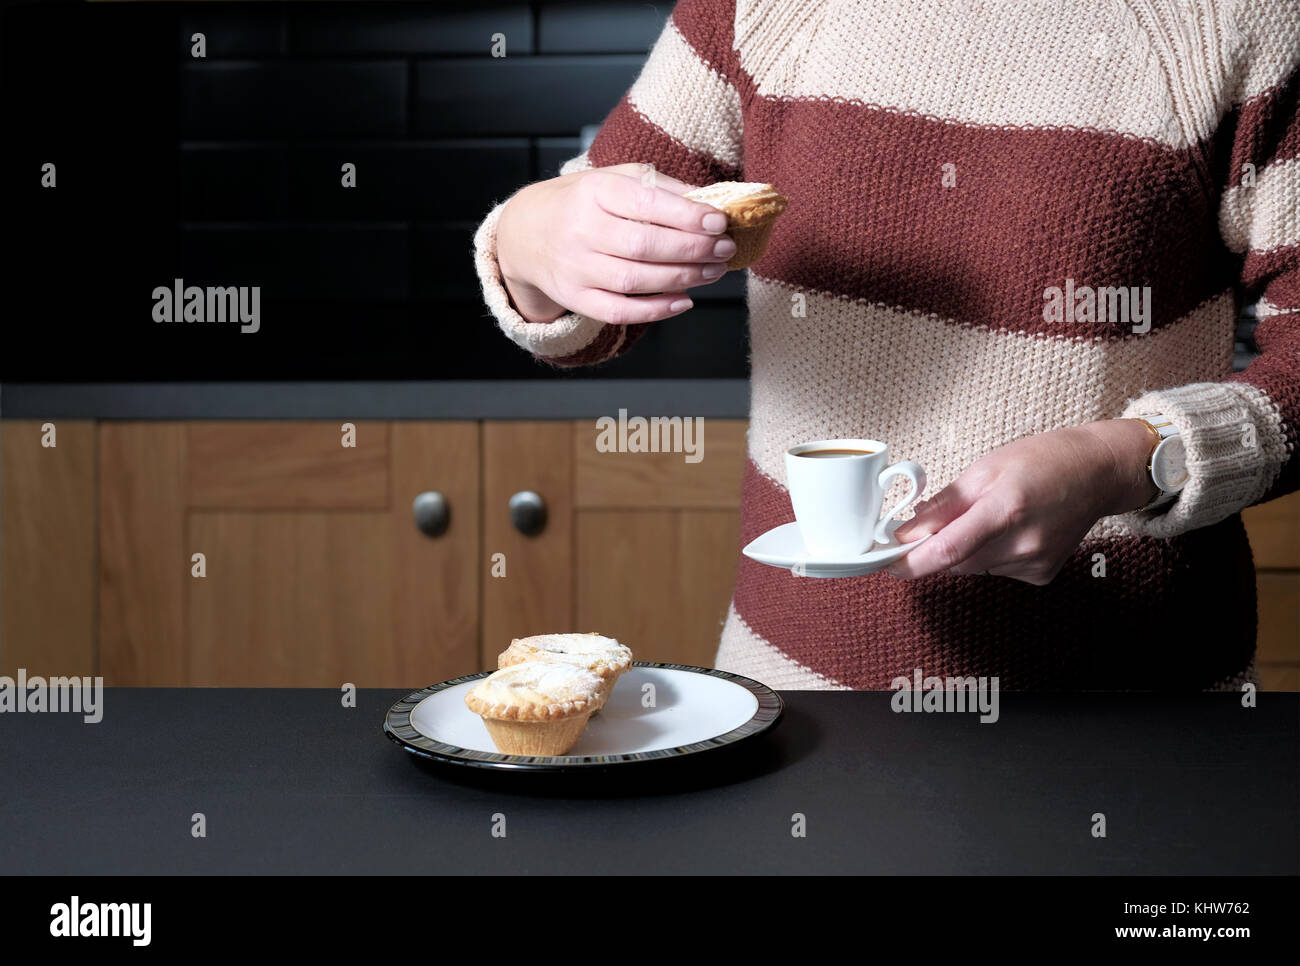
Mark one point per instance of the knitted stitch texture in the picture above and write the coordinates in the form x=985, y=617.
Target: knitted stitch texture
x=947, y=165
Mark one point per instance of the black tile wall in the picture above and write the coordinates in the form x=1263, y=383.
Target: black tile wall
x=553, y=152
x=254, y=100
x=599, y=28
x=232, y=182
x=350, y=98
x=438, y=256
x=702, y=344
x=359, y=262
x=232, y=30
x=406, y=28
x=233, y=99
x=226, y=170
x=526, y=95
x=449, y=180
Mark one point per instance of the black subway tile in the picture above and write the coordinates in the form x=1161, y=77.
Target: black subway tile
x=705, y=342
x=584, y=27
x=231, y=183
x=238, y=99
x=361, y=263
x=407, y=28
x=444, y=181
x=331, y=99
x=442, y=267
x=120, y=187
x=553, y=152
x=526, y=95
x=231, y=30
x=345, y=262
x=244, y=99
x=79, y=73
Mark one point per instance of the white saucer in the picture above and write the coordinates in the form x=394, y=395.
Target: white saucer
x=783, y=547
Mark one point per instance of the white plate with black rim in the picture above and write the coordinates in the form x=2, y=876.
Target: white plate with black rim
x=655, y=712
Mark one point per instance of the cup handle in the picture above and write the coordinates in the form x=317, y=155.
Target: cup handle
x=913, y=472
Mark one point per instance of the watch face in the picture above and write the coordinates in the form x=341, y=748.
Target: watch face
x=1169, y=465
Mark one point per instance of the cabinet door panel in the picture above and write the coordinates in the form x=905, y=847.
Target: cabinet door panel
x=143, y=560
x=1274, y=529
x=657, y=541
x=287, y=465
x=665, y=480
x=1279, y=619
x=1279, y=677
x=316, y=574
x=536, y=594
x=291, y=600
x=658, y=580
x=435, y=579
x=47, y=548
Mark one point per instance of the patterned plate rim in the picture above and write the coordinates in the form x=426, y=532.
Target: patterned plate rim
x=398, y=727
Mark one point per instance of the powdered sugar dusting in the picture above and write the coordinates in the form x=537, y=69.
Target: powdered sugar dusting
x=539, y=682
x=586, y=645
x=724, y=192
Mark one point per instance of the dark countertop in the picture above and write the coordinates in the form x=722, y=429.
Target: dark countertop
x=431, y=399
x=290, y=782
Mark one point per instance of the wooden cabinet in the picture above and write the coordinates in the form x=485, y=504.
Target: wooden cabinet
x=315, y=573
x=528, y=580
x=48, y=579
x=638, y=546
x=1274, y=530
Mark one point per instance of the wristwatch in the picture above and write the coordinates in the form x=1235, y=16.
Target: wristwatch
x=1167, y=463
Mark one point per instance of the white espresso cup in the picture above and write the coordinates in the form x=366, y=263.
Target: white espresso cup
x=837, y=495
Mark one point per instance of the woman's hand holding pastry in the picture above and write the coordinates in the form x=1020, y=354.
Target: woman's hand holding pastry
x=609, y=244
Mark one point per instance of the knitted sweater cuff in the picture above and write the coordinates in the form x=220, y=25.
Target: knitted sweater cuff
x=552, y=340
x=1235, y=448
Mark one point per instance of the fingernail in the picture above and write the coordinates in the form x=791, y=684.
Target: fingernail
x=725, y=248
x=681, y=305
x=714, y=270
x=715, y=223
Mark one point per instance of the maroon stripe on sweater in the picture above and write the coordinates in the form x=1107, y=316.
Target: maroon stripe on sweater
x=1266, y=130
x=709, y=27
x=1031, y=208
x=1274, y=274
x=1276, y=371
x=604, y=346
x=1173, y=614
x=629, y=136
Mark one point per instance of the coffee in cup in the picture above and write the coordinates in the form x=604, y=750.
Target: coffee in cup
x=837, y=487
x=835, y=453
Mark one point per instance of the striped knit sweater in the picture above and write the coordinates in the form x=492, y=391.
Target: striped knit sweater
x=947, y=163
